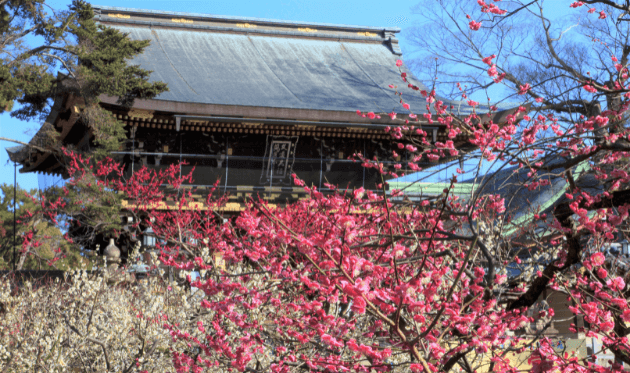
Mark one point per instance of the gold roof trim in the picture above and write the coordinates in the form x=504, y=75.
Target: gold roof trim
x=182, y=20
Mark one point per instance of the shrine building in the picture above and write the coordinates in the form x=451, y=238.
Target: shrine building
x=252, y=101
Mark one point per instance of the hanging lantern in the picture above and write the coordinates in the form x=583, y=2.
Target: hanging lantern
x=148, y=238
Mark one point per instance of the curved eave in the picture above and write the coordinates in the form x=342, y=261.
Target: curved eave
x=253, y=113
x=44, y=161
x=17, y=154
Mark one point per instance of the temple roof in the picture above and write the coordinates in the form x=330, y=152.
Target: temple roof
x=219, y=60
x=521, y=203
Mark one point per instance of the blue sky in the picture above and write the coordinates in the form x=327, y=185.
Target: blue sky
x=353, y=12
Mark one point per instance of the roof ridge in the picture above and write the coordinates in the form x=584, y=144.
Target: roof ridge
x=390, y=41
x=262, y=21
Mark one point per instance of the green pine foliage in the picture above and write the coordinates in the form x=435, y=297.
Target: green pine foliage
x=48, y=234
x=92, y=60
x=44, y=55
x=93, y=211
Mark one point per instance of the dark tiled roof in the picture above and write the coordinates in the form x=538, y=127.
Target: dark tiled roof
x=266, y=63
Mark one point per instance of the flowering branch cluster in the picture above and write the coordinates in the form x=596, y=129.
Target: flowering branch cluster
x=90, y=323
x=365, y=281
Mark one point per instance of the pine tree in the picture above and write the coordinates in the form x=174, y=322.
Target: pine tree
x=46, y=54
x=75, y=55
x=53, y=244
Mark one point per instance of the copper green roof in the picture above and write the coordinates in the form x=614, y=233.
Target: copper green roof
x=521, y=203
x=432, y=189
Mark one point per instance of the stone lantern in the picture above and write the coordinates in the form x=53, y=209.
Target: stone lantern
x=112, y=254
